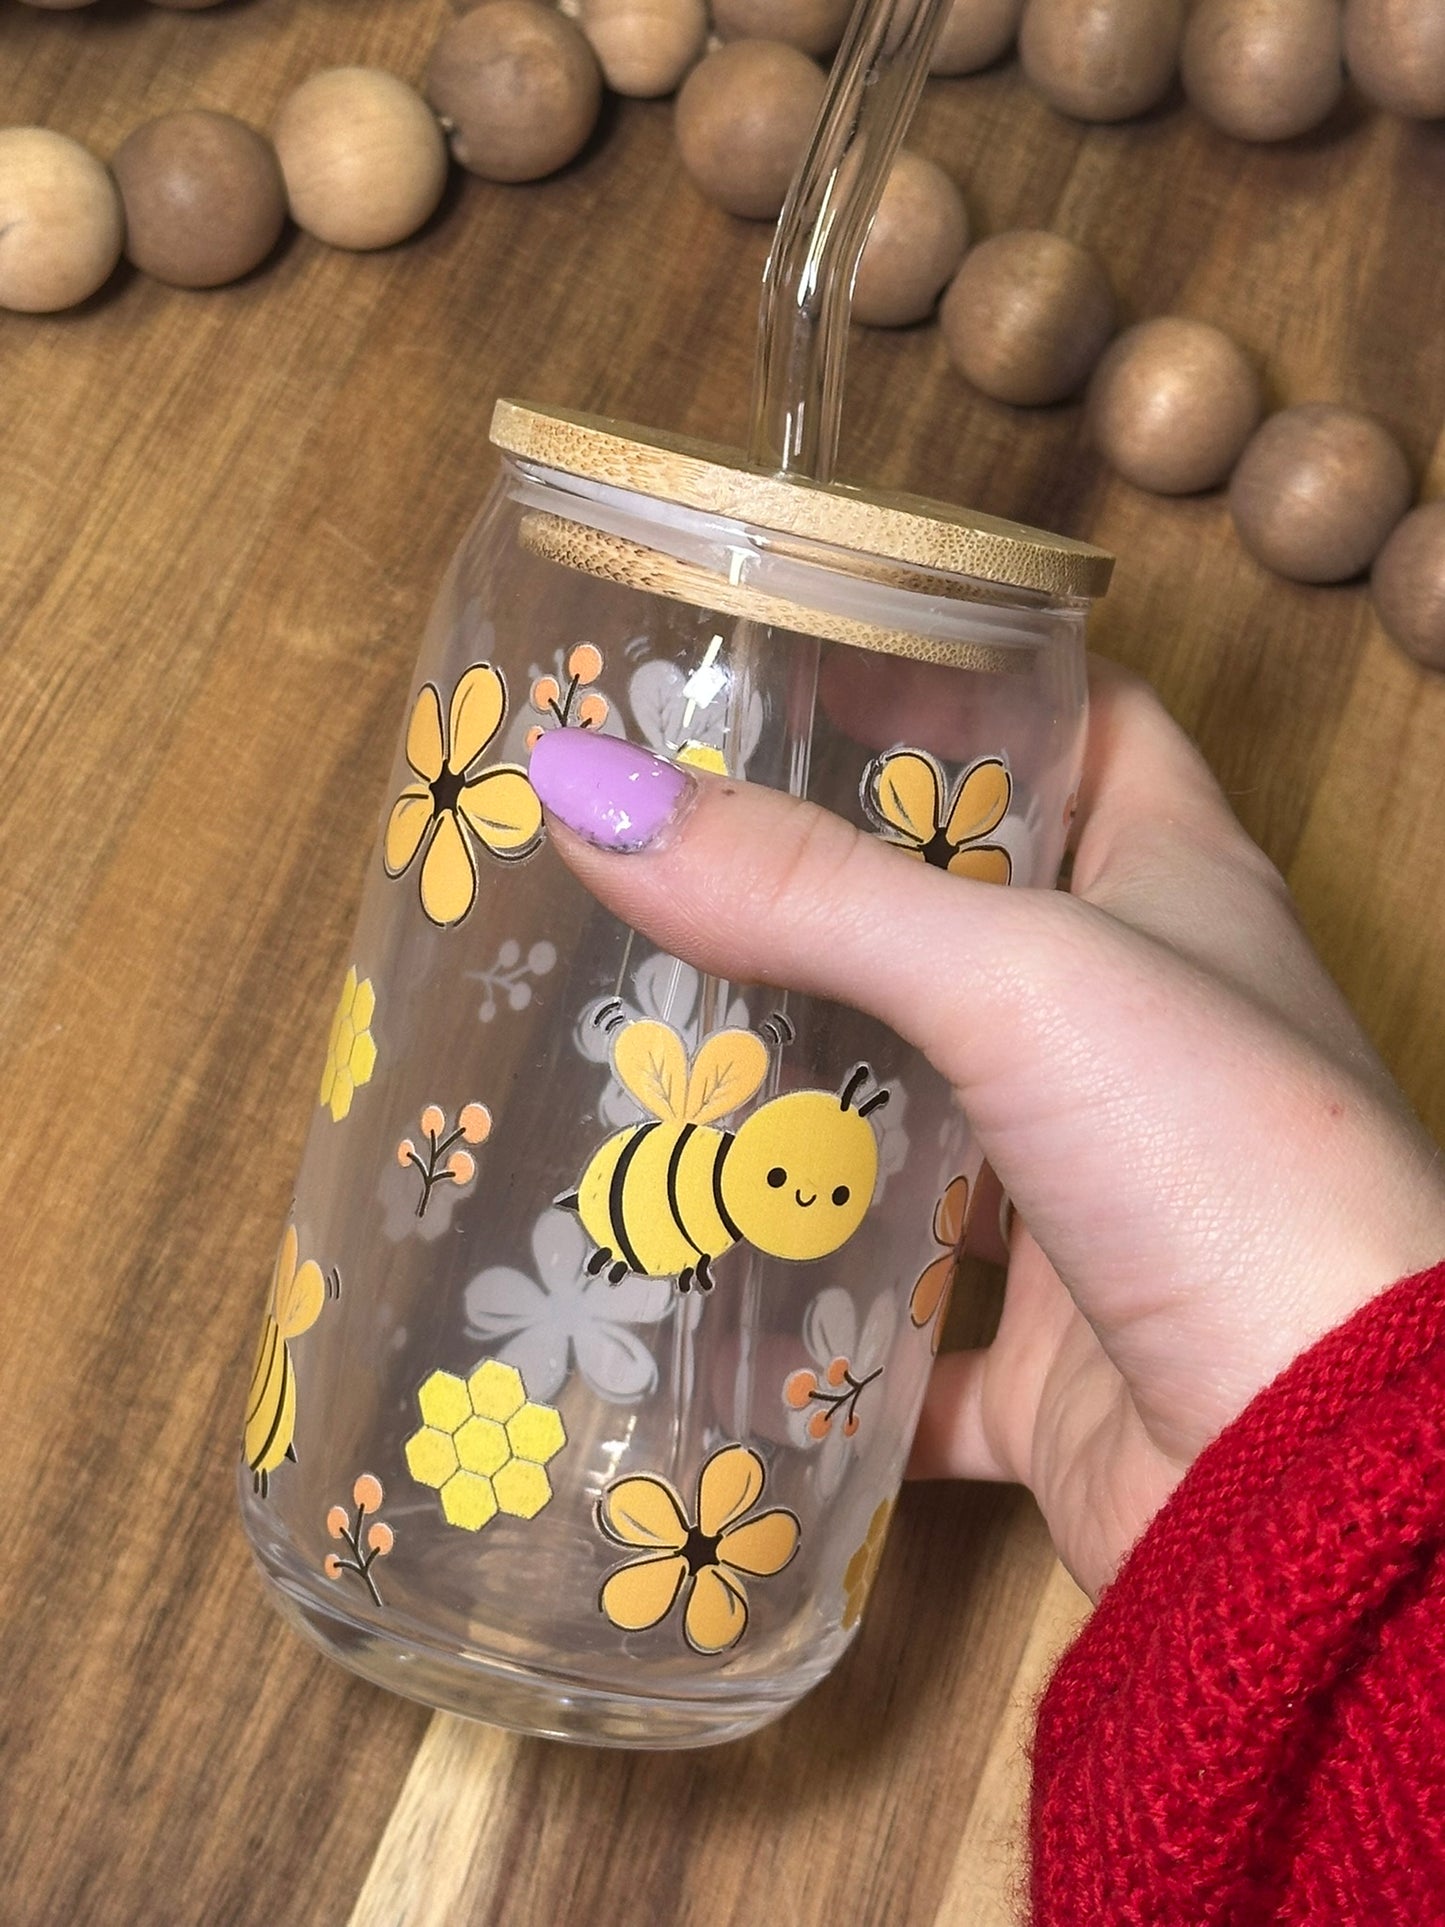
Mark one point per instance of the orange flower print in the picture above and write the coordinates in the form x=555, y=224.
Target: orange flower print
x=862, y=1568
x=455, y=804
x=908, y=800
x=703, y=1560
x=929, y=1302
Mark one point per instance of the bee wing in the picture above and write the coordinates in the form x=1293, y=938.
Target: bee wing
x=904, y=792
x=299, y=1306
x=981, y=803
x=727, y=1070
x=651, y=1065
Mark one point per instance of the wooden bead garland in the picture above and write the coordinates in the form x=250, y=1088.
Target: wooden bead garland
x=364, y=161
x=1027, y=317
x=60, y=221
x=914, y=246
x=1318, y=492
x=204, y=198
x=1408, y=585
x=517, y=87
x=743, y=120
x=1172, y=404
x=1264, y=70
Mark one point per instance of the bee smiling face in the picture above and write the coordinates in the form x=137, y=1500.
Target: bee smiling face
x=799, y=1177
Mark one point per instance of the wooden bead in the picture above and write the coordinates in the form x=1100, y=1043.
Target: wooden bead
x=1395, y=49
x=1317, y=491
x=645, y=47
x=204, y=198
x=517, y=87
x=974, y=34
x=1101, y=59
x=1408, y=585
x=1027, y=316
x=914, y=245
x=60, y=221
x=1172, y=404
x=743, y=119
x=813, y=26
x=1264, y=70
x=363, y=159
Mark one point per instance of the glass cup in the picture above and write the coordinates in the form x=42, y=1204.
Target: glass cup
x=602, y=1319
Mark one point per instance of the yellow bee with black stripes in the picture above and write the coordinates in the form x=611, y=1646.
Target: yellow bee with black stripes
x=297, y=1294
x=665, y=1198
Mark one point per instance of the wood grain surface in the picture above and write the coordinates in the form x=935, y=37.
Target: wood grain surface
x=219, y=510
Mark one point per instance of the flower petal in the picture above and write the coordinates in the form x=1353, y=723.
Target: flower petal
x=730, y=1482
x=406, y=828
x=638, y=1595
x=931, y=1291
x=504, y=811
x=448, y=874
x=500, y=1300
x=981, y=803
x=540, y=1354
x=950, y=1220
x=986, y=864
x=903, y=791
x=762, y=1545
x=717, y=1611
x=877, y=1334
x=636, y=1301
x=830, y=1325
x=425, y=745
x=643, y=1511
x=479, y=702
x=561, y=1248
x=614, y=1361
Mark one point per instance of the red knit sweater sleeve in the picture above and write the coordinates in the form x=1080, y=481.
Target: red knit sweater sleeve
x=1251, y=1727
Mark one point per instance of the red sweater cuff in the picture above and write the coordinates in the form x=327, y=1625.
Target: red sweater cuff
x=1251, y=1727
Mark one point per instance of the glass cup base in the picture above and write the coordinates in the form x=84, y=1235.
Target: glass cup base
x=522, y=1699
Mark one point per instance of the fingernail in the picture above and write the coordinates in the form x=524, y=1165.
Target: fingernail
x=608, y=790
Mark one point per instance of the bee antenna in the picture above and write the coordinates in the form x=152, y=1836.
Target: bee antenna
x=874, y=1103
x=612, y=1008
x=334, y=1284
x=778, y=1028
x=857, y=1077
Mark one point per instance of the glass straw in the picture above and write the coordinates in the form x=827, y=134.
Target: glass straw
x=808, y=283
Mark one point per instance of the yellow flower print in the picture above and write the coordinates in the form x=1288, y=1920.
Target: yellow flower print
x=934, y=1289
x=454, y=800
x=905, y=794
x=350, y=1049
x=484, y=1445
x=862, y=1568
x=708, y=1558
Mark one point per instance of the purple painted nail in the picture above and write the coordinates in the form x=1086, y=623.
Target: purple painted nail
x=608, y=790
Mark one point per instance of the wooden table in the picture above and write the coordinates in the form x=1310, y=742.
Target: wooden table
x=221, y=509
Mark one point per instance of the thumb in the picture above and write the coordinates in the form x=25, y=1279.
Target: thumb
x=755, y=886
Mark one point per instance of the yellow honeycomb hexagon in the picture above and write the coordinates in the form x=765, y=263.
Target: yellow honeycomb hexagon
x=481, y=1445
x=444, y=1402
x=522, y=1489
x=536, y=1433
x=350, y=1046
x=468, y=1501
x=497, y=1390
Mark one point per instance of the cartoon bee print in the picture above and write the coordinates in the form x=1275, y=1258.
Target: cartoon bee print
x=905, y=794
x=665, y=1198
x=297, y=1295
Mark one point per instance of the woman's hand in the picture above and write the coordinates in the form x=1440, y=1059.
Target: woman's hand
x=1209, y=1165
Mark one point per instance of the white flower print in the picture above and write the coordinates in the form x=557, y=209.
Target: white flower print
x=561, y=1317
x=662, y=989
x=673, y=706
x=833, y=1405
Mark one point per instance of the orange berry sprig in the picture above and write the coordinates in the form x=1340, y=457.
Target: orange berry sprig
x=584, y=666
x=837, y=1392
x=368, y=1495
x=440, y=1162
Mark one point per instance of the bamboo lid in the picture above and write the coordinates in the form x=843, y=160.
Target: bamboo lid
x=901, y=528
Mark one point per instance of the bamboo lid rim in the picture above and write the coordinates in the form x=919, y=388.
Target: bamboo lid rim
x=720, y=481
